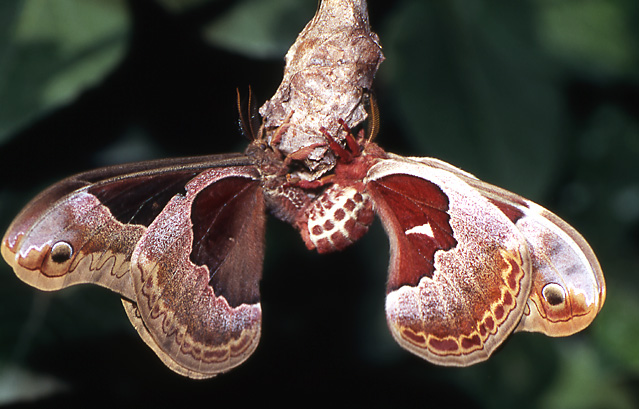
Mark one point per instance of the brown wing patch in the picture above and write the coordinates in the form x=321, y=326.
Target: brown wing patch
x=76, y=241
x=185, y=311
x=416, y=203
x=455, y=306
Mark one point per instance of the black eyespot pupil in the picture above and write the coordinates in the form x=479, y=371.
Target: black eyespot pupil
x=553, y=294
x=61, y=252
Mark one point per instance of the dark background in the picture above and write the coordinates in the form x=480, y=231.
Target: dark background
x=540, y=97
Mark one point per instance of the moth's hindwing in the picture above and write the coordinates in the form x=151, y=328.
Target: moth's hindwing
x=193, y=228
x=460, y=270
x=568, y=286
x=196, y=271
x=133, y=313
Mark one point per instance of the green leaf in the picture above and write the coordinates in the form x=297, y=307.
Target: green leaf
x=53, y=50
x=472, y=88
x=584, y=382
x=260, y=28
x=591, y=35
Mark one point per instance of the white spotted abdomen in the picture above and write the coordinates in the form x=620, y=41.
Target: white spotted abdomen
x=336, y=219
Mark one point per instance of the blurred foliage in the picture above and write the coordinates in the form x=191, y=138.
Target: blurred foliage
x=538, y=96
x=53, y=50
x=265, y=37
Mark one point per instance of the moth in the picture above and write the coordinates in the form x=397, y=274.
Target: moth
x=182, y=242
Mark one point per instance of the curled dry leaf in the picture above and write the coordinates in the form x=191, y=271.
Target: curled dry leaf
x=328, y=69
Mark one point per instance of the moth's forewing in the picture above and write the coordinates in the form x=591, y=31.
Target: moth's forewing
x=91, y=227
x=84, y=228
x=568, y=287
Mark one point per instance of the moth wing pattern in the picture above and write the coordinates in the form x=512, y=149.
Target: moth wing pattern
x=182, y=241
x=133, y=314
x=459, y=272
x=88, y=229
x=568, y=288
x=67, y=236
x=197, y=268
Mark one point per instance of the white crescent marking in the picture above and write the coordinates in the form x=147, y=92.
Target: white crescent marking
x=423, y=229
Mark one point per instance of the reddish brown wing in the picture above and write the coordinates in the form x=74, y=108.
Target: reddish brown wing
x=459, y=274
x=86, y=229
x=196, y=271
x=568, y=286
